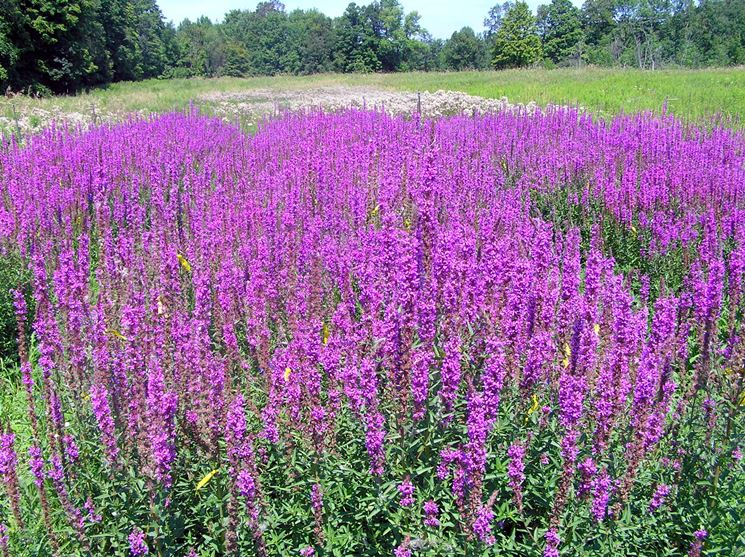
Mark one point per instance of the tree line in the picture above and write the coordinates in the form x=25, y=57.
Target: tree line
x=56, y=46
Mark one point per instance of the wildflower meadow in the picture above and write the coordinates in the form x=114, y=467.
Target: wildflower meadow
x=353, y=333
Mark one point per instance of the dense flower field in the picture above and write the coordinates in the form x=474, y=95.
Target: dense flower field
x=353, y=334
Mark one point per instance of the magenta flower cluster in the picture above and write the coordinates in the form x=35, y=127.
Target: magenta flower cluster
x=470, y=306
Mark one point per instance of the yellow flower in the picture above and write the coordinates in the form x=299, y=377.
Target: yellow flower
x=533, y=408
x=325, y=334
x=117, y=334
x=184, y=263
x=596, y=328
x=288, y=371
x=204, y=481
x=567, y=355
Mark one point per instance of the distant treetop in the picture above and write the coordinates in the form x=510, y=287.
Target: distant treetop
x=48, y=46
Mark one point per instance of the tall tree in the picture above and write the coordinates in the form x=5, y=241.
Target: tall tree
x=516, y=43
x=355, y=41
x=493, y=20
x=463, y=51
x=310, y=43
x=66, y=46
x=201, y=48
x=10, y=27
x=263, y=33
x=560, y=27
x=598, y=19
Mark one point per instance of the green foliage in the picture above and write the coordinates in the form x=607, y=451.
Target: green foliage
x=560, y=27
x=13, y=275
x=380, y=37
x=237, y=60
x=516, y=43
x=47, y=46
x=355, y=42
x=463, y=51
x=310, y=40
x=263, y=33
x=199, y=45
x=495, y=17
x=362, y=515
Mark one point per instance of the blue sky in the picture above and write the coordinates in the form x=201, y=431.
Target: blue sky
x=440, y=18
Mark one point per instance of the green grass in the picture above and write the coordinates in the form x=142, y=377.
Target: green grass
x=690, y=94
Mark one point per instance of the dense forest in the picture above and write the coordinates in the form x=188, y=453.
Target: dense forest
x=57, y=46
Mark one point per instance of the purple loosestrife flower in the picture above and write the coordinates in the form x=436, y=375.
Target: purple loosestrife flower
x=698, y=543
x=403, y=550
x=71, y=449
x=494, y=375
x=137, y=543
x=482, y=525
x=552, y=543
x=423, y=359
x=478, y=426
x=659, y=496
x=74, y=516
x=316, y=502
x=161, y=408
x=307, y=551
x=601, y=491
x=431, y=511
x=450, y=373
x=9, y=474
x=571, y=396
x=587, y=470
x=406, y=489
x=102, y=413
x=516, y=472
x=570, y=280
x=356, y=249
x=26, y=375
x=93, y=516
x=246, y=485
x=4, y=540
x=36, y=463
x=374, y=442
x=235, y=429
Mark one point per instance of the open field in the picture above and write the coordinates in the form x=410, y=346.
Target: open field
x=691, y=95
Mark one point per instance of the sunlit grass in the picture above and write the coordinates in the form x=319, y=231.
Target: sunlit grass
x=690, y=94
